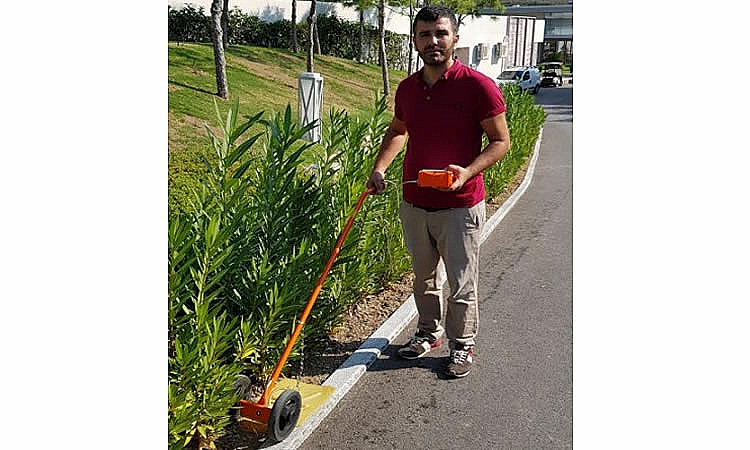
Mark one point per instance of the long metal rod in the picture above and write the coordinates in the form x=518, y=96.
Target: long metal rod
x=303, y=318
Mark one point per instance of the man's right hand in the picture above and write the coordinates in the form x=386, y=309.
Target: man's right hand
x=377, y=182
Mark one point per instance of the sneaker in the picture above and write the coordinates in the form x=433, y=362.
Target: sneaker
x=419, y=345
x=459, y=361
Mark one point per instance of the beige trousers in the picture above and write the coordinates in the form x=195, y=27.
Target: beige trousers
x=453, y=235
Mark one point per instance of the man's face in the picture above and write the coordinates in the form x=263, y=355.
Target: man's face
x=435, y=41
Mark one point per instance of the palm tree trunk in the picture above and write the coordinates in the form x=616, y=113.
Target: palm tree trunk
x=361, y=35
x=219, y=61
x=311, y=43
x=317, y=38
x=295, y=47
x=411, y=37
x=383, y=61
x=225, y=24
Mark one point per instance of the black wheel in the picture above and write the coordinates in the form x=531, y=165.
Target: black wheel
x=536, y=89
x=284, y=415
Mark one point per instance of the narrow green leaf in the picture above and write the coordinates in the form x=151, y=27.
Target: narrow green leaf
x=241, y=170
x=218, y=113
x=237, y=132
x=231, y=116
x=242, y=149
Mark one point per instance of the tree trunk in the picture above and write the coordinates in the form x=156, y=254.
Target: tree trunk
x=295, y=47
x=411, y=37
x=383, y=60
x=225, y=24
x=219, y=61
x=361, y=35
x=311, y=43
x=460, y=20
x=317, y=38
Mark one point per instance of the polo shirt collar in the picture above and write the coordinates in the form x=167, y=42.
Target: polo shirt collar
x=449, y=74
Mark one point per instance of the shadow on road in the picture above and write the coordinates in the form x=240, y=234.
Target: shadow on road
x=557, y=103
x=558, y=113
x=389, y=360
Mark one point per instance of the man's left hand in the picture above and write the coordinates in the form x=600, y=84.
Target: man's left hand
x=460, y=174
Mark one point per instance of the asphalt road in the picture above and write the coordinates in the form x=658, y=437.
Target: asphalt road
x=520, y=392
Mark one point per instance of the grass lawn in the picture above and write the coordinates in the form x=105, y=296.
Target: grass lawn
x=263, y=79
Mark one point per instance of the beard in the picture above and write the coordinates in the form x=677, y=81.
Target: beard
x=435, y=56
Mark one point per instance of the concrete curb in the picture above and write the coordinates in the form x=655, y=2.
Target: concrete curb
x=347, y=375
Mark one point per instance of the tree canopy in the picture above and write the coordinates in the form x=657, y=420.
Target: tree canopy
x=466, y=8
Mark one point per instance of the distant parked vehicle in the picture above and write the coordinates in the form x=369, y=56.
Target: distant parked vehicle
x=551, y=74
x=527, y=78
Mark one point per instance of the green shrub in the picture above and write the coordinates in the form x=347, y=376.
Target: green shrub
x=188, y=24
x=206, y=345
x=376, y=254
x=244, y=260
x=525, y=118
x=338, y=37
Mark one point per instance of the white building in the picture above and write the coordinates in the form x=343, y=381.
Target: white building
x=488, y=43
x=557, y=23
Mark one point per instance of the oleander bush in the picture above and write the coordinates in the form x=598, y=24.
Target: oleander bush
x=245, y=258
x=525, y=119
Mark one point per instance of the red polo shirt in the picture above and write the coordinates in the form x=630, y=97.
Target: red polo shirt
x=443, y=126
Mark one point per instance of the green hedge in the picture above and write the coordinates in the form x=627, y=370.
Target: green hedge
x=525, y=119
x=338, y=37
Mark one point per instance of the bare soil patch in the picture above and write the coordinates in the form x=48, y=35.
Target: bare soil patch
x=267, y=72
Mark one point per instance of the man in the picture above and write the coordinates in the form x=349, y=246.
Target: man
x=444, y=109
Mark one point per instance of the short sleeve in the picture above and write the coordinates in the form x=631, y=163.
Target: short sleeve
x=490, y=99
x=398, y=100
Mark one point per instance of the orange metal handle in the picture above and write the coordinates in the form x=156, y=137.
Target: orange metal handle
x=303, y=318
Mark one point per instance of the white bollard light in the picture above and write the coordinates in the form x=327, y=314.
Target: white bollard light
x=310, y=103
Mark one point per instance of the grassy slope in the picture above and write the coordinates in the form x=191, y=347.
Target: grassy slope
x=264, y=80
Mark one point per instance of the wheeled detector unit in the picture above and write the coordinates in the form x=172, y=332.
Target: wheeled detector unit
x=279, y=420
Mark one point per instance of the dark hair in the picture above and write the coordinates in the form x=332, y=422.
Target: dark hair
x=433, y=13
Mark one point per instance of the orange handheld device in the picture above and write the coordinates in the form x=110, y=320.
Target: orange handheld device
x=435, y=178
